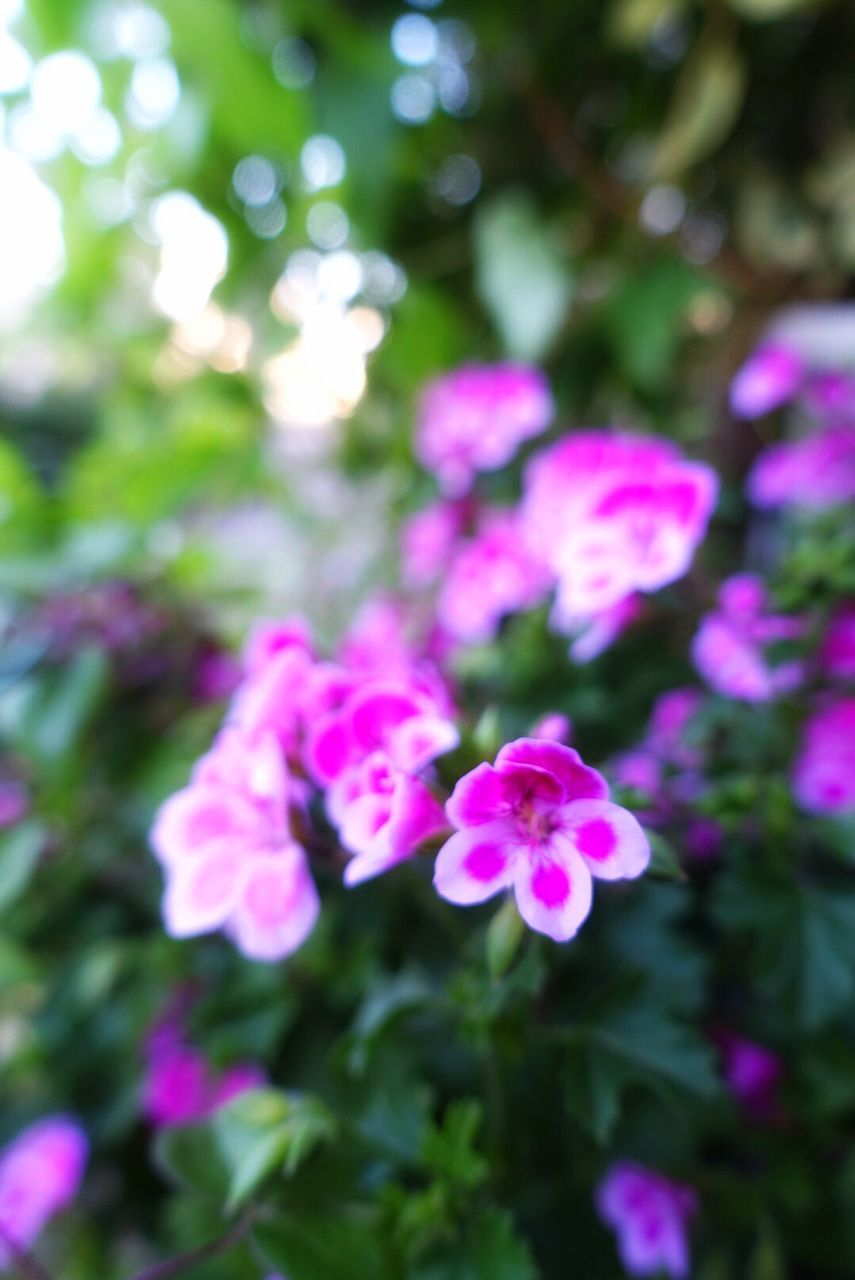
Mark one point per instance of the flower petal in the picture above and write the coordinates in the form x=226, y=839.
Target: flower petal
x=553, y=890
x=277, y=907
x=578, y=781
x=421, y=739
x=197, y=817
x=201, y=893
x=476, y=863
x=477, y=798
x=608, y=837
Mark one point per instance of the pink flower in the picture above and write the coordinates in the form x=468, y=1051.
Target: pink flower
x=376, y=641
x=611, y=514
x=769, y=378
x=816, y=472
x=180, y=1088
x=493, y=574
x=672, y=712
x=555, y=726
x=428, y=539
x=730, y=647
x=752, y=1073
x=824, y=771
x=40, y=1172
x=538, y=821
x=230, y=859
x=382, y=814
x=651, y=1216
x=400, y=718
x=368, y=751
x=14, y=803
x=476, y=418
x=837, y=655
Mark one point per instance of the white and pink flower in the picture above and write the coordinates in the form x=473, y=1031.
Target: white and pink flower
x=539, y=822
x=230, y=858
x=731, y=647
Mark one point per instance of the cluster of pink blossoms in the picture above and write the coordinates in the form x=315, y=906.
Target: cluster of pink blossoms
x=40, y=1172
x=604, y=516
x=816, y=470
x=365, y=731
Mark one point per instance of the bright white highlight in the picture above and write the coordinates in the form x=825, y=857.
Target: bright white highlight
x=193, y=255
x=32, y=251
x=153, y=94
x=322, y=162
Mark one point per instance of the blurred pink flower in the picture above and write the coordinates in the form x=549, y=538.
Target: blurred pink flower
x=613, y=513
x=770, y=377
x=671, y=715
x=824, y=770
x=40, y=1172
x=428, y=539
x=837, y=654
x=538, y=821
x=491, y=575
x=650, y=1215
x=14, y=803
x=730, y=647
x=476, y=418
x=180, y=1088
x=230, y=859
x=555, y=726
x=817, y=471
x=376, y=641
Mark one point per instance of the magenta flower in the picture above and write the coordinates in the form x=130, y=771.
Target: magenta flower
x=230, y=859
x=476, y=418
x=650, y=1215
x=376, y=641
x=491, y=575
x=611, y=514
x=730, y=647
x=837, y=654
x=671, y=715
x=539, y=821
x=770, y=377
x=824, y=771
x=40, y=1172
x=180, y=1087
x=752, y=1073
x=815, y=472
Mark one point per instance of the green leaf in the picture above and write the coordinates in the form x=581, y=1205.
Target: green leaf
x=707, y=100
x=46, y=715
x=19, y=854
x=644, y=319
x=263, y=1129
x=488, y=1250
x=191, y=1156
x=449, y=1149
x=306, y=1245
x=803, y=943
x=522, y=279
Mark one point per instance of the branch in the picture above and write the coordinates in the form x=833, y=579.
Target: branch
x=183, y=1261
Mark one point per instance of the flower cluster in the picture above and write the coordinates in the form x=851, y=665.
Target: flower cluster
x=604, y=516
x=731, y=648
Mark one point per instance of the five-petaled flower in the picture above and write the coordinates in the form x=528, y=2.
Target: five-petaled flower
x=539, y=821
